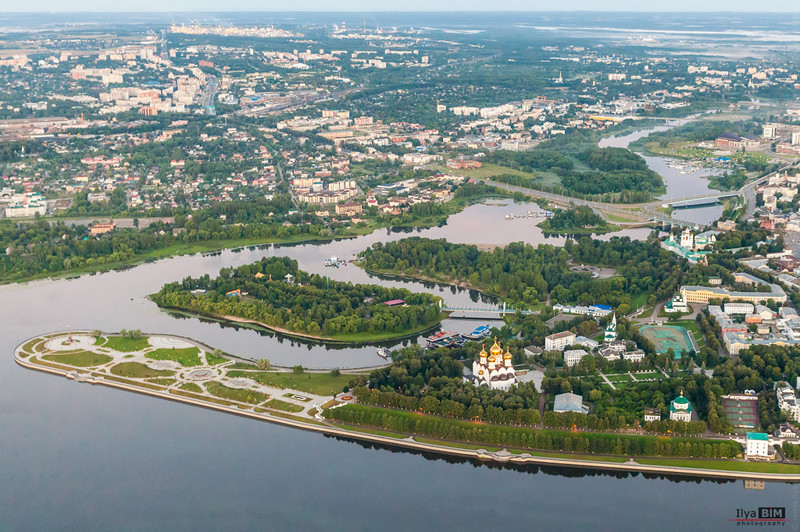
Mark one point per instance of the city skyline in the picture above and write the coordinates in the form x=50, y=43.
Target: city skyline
x=198, y=6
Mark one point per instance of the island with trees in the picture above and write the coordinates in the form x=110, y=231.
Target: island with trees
x=274, y=294
x=576, y=221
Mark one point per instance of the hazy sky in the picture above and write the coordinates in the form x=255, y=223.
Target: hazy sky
x=402, y=5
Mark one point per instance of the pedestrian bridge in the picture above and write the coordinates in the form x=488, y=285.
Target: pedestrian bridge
x=476, y=313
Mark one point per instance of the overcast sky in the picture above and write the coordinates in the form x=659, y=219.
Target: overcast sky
x=402, y=5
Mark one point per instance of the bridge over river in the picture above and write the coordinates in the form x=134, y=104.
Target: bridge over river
x=482, y=313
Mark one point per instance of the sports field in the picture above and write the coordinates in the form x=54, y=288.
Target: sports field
x=742, y=413
x=665, y=337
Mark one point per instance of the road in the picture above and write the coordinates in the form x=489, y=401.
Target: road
x=644, y=211
x=206, y=100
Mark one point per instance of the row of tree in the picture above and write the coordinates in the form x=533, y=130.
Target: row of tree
x=585, y=442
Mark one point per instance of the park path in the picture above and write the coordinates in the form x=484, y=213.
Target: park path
x=606, y=379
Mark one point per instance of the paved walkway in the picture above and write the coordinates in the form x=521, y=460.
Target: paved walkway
x=182, y=375
x=603, y=375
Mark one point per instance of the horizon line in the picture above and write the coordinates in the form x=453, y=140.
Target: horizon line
x=448, y=11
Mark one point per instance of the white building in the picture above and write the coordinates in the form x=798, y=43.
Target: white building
x=680, y=409
x=735, y=307
x=787, y=401
x=494, y=369
x=652, y=414
x=637, y=355
x=677, y=304
x=558, y=341
x=586, y=342
x=757, y=445
x=573, y=356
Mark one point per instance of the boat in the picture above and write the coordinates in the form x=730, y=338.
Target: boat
x=444, y=339
x=383, y=352
x=479, y=333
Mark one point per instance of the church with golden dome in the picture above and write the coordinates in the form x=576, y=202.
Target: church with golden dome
x=494, y=369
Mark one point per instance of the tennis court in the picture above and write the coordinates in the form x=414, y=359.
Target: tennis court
x=742, y=412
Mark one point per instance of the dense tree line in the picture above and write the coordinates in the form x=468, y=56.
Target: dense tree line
x=311, y=304
x=44, y=248
x=578, y=442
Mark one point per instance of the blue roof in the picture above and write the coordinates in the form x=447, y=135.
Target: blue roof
x=604, y=307
x=757, y=436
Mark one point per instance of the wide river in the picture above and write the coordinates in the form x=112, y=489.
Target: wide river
x=75, y=456
x=681, y=180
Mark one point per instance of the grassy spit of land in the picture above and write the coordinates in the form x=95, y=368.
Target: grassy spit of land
x=219, y=393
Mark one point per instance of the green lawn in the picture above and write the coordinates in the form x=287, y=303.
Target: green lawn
x=283, y=405
x=316, y=383
x=163, y=382
x=118, y=343
x=191, y=387
x=242, y=396
x=488, y=170
x=82, y=359
x=138, y=370
x=377, y=432
x=30, y=345
x=213, y=361
x=639, y=300
x=187, y=357
x=618, y=218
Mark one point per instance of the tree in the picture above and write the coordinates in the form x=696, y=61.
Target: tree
x=298, y=370
x=263, y=363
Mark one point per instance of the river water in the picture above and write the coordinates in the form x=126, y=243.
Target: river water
x=76, y=456
x=679, y=185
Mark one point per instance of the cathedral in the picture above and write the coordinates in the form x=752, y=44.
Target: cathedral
x=494, y=369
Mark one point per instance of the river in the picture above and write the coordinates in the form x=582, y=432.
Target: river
x=693, y=182
x=77, y=456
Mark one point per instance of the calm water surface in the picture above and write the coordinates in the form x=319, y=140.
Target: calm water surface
x=679, y=185
x=76, y=456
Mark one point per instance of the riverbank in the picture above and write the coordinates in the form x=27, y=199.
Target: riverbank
x=345, y=339
x=27, y=355
x=177, y=249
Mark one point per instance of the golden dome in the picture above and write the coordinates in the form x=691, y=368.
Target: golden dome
x=483, y=353
x=496, y=349
x=507, y=355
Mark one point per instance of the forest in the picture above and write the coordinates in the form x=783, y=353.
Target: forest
x=609, y=174
x=308, y=304
x=526, y=276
